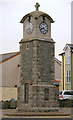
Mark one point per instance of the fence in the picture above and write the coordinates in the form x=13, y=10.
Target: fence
x=13, y=104
x=8, y=104
x=66, y=103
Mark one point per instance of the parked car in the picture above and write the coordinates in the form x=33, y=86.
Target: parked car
x=66, y=94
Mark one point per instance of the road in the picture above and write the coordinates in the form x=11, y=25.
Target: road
x=36, y=119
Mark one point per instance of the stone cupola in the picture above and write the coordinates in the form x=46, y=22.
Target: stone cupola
x=31, y=23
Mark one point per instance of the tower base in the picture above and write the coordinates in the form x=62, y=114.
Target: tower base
x=42, y=98
x=39, y=109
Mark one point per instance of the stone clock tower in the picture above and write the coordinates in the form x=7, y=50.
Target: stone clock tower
x=36, y=91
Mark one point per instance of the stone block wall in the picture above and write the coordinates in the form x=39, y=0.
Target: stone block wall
x=37, y=70
x=37, y=61
x=45, y=61
x=39, y=100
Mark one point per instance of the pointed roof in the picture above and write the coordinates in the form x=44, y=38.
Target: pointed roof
x=70, y=46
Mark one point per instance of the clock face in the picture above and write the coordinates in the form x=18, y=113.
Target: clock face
x=43, y=27
x=29, y=28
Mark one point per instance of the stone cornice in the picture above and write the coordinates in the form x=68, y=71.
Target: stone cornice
x=39, y=39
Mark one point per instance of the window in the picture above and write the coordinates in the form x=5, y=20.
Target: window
x=29, y=18
x=26, y=92
x=68, y=93
x=67, y=60
x=27, y=46
x=71, y=92
x=53, y=50
x=15, y=85
x=46, y=94
x=43, y=18
x=68, y=76
x=60, y=92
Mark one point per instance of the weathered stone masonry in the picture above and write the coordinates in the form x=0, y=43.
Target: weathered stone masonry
x=36, y=91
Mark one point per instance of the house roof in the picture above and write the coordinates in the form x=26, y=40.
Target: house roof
x=7, y=56
x=59, y=62
x=70, y=45
x=62, y=53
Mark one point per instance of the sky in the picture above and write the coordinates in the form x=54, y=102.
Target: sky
x=11, y=30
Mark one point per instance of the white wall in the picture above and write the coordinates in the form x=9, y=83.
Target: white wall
x=57, y=70
x=8, y=93
x=10, y=72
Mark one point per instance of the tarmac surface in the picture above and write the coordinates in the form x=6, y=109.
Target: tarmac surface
x=36, y=119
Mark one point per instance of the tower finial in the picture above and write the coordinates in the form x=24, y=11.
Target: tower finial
x=37, y=6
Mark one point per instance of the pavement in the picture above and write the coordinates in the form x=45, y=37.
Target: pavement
x=63, y=112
